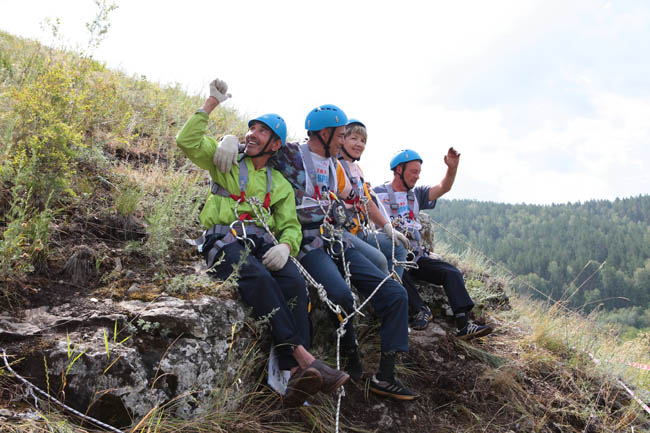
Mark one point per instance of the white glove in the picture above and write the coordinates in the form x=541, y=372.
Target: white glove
x=276, y=257
x=219, y=90
x=226, y=153
x=390, y=230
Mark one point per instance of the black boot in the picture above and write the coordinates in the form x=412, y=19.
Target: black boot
x=352, y=362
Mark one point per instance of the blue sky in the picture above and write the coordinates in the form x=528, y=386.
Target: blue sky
x=547, y=101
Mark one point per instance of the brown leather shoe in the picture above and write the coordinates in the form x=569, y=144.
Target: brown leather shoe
x=332, y=379
x=302, y=384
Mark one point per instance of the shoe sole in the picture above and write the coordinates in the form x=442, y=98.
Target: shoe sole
x=420, y=328
x=481, y=333
x=394, y=396
x=309, y=384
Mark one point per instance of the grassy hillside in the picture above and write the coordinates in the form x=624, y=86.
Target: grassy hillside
x=95, y=198
x=88, y=153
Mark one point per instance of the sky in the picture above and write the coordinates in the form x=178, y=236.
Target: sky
x=547, y=101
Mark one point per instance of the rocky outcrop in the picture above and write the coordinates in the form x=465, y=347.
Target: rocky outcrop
x=122, y=363
x=118, y=360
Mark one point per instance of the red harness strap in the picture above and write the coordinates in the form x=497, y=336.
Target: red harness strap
x=243, y=181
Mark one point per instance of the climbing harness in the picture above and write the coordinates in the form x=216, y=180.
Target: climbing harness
x=417, y=250
x=243, y=181
x=359, y=199
x=334, y=235
x=412, y=204
x=237, y=229
x=311, y=172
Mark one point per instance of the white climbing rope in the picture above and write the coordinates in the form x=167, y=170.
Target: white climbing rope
x=31, y=388
x=335, y=235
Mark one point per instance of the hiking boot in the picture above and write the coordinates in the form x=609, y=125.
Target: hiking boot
x=332, y=379
x=352, y=363
x=302, y=385
x=391, y=388
x=422, y=318
x=472, y=330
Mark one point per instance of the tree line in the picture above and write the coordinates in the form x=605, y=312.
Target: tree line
x=559, y=248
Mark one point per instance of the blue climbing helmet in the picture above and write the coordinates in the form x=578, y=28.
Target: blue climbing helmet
x=404, y=156
x=352, y=122
x=325, y=116
x=275, y=123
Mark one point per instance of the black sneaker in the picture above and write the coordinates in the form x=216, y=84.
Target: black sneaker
x=393, y=389
x=472, y=330
x=352, y=363
x=422, y=318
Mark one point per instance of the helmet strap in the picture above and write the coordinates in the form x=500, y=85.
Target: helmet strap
x=348, y=154
x=401, y=176
x=326, y=146
x=264, y=151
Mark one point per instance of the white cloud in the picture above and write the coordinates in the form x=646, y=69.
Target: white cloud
x=601, y=156
x=545, y=100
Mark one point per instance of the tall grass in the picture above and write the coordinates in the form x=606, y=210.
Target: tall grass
x=63, y=119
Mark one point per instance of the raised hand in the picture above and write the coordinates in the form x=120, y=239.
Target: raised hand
x=452, y=158
x=219, y=90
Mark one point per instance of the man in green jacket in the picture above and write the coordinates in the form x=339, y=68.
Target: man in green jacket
x=235, y=232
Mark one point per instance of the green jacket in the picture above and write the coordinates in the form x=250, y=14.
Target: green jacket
x=200, y=148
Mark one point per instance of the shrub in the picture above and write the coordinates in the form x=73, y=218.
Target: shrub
x=24, y=240
x=172, y=213
x=127, y=200
x=48, y=130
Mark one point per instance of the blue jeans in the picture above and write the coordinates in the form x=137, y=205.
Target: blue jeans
x=269, y=293
x=390, y=302
x=370, y=251
x=386, y=247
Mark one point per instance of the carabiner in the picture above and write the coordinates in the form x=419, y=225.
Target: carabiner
x=331, y=249
x=243, y=237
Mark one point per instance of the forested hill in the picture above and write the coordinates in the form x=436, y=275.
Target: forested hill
x=551, y=244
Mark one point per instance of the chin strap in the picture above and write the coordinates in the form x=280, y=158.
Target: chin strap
x=326, y=145
x=401, y=177
x=348, y=154
x=264, y=151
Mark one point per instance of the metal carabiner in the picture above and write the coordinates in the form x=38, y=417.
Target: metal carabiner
x=331, y=249
x=243, y=237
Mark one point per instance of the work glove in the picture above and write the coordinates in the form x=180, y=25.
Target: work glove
x=390, y=231
x=219, y=90
x=226, y=153
x=276, y=257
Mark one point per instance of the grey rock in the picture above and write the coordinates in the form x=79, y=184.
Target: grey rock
x=188, y=353
x=37, y=320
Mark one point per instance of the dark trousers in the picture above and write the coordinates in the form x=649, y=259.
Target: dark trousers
x=390, y=302
x=269, y=293
x=442, y=274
